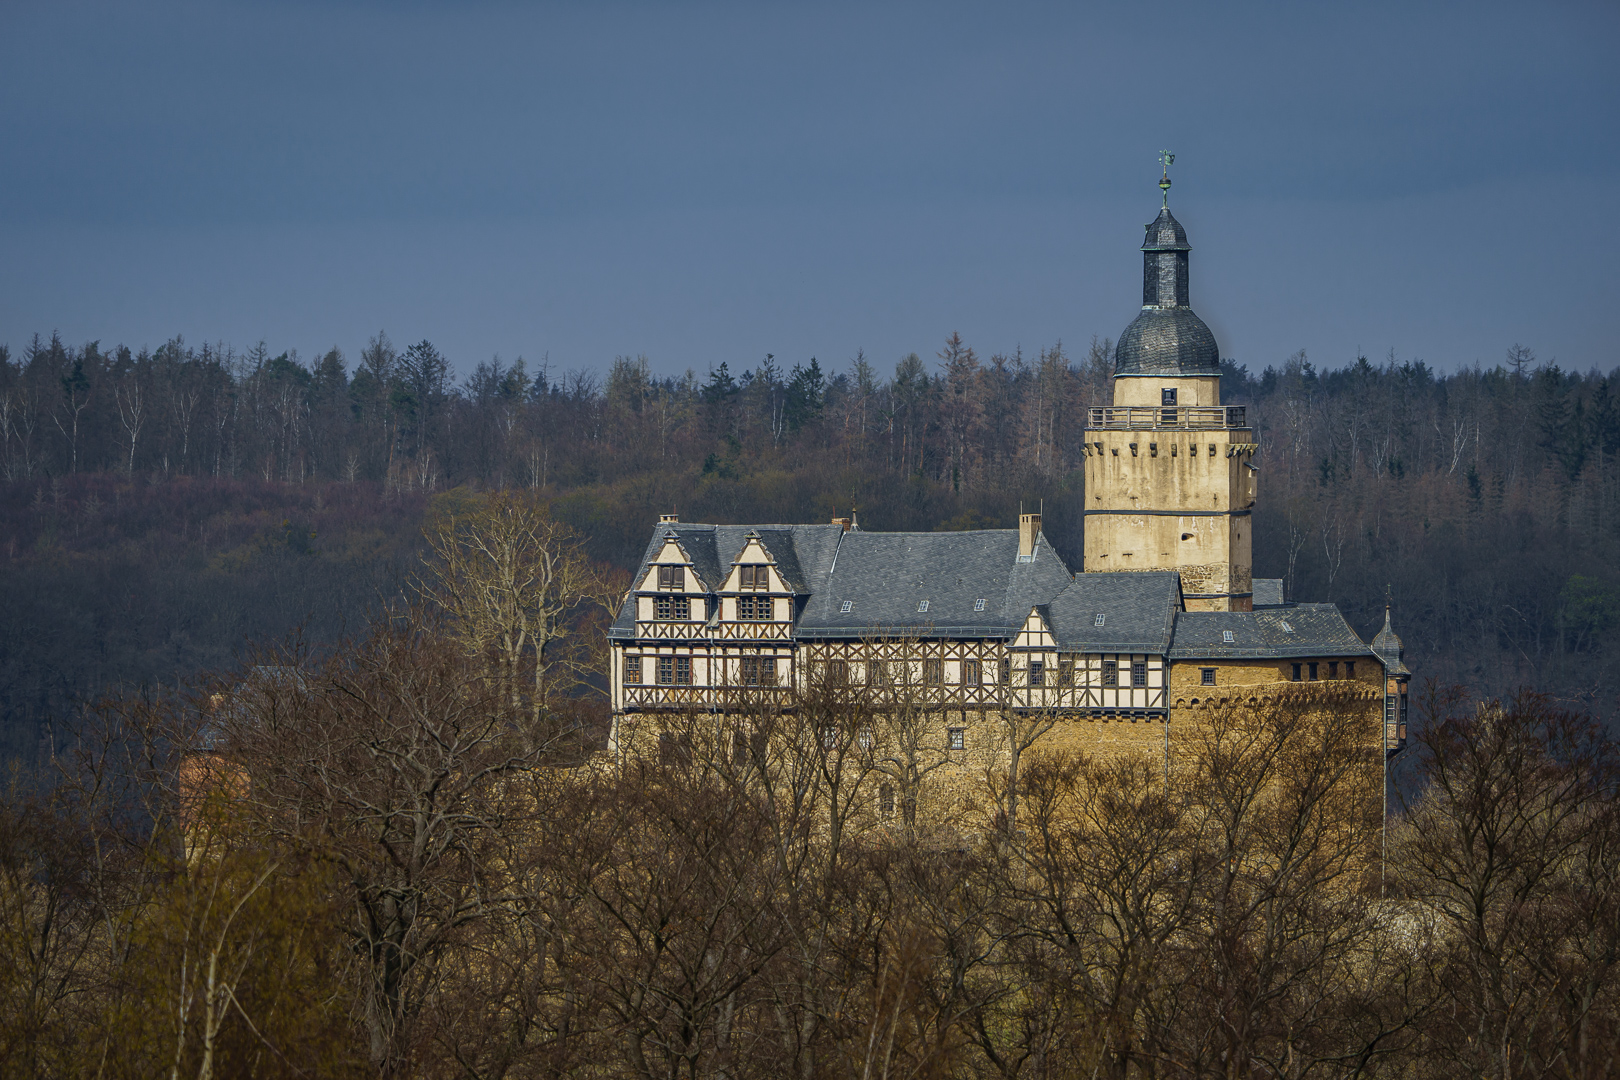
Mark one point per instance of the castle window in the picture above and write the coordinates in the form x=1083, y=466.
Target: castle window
x=1349, y=669
x=886, y=800
x=1226, y=636
x=1110, y=673
x=1100, y=620
x=755, y=608
x=1139, y=673
x=1037, y=673
x=970, y=673
x=756, y=577
x=1167, y=396
x=956, y=738
x=837, y=672
x=934, y=672
x=1313, y=671
x=676, y=608
x=759, y=670
x=632, y=670
x=847, y=606
x=922, y=605
x=672, y=578
x=978, y=605
x=1206, y=676
x=1296, y=673
x=1333, y=669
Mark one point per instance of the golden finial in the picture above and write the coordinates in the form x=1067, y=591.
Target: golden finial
x=1166, y=159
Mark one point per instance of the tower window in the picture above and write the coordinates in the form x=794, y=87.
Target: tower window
x=1206, y=676
x=1167, y=396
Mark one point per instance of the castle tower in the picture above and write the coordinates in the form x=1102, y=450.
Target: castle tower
x=1170, y=481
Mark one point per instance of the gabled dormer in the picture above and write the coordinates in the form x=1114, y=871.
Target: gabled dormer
x=754, y=591
x=672, y=592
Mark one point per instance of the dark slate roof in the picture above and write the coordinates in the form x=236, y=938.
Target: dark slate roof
x=1268, y=592
x=1317, y=630
x=1167, y=341
x=1387, y=645
x=1138, y=612
x=886, y=575
x=1164, y=233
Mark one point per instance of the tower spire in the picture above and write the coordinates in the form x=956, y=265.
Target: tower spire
x=1166, y=159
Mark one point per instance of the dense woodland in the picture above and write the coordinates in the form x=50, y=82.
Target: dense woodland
x=162, y=507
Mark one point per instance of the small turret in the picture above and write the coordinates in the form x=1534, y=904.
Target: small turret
x=1387, y=645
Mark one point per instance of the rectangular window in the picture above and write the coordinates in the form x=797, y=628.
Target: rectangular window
x=1167, y=396
x=1101, y=618
x=1206, y=676
x=632, y=670
x=666, y=671
x=683, y=671
x=846, y=606
x=1333, y=669
x=1065, y=672
x=756, y=577
x=1313, y=671
x=676, y=608
x=759, y=671
x=837, y=672
x=672, y=578
x=922, y=605
x=1037, y=673
x=1110, y=673
x=1139, y=673
x=978, y=605
x=1296, y=673
x=1349, y=669
x=1226, y=636
x=956, y=738
x=1004, y=672
x=970, y=673
x=886, y=800
x=933, y=672
x=877, y=673
x=755, y=608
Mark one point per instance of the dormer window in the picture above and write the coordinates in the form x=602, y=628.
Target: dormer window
x=755, y=608
x=672, y=578
x=672, y=608
x=756, y=578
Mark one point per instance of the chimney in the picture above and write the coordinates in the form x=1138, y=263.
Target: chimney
x=845, y=522
x=669, y=519
x=1029, y=527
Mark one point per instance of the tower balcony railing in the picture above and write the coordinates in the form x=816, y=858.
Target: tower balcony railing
x=1186, y=417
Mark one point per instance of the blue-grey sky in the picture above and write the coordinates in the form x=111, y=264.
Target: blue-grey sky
x=704, y=182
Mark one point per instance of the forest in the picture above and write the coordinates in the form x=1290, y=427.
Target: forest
x=162, y=508
x=305, y=777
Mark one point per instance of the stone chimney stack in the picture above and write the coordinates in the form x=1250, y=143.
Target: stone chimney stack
x=845, y=522
x=1029, y=527
x=669, y=519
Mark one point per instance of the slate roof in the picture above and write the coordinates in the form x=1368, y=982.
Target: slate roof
x=1164, y=233
x=1267, y=592
x=1168, y=341
x=1138, y=610
x=1290, y=631
x=885, y=576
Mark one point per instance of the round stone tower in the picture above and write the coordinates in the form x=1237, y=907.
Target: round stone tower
x=1170, y=481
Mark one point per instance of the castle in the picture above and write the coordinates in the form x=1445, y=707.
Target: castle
x=971, y=627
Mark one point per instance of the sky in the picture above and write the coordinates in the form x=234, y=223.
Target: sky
x=708, y=182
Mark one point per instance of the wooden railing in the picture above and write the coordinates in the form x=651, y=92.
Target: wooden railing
x=1186, y=417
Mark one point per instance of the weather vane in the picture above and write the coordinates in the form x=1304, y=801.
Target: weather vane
x=1166, y=159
